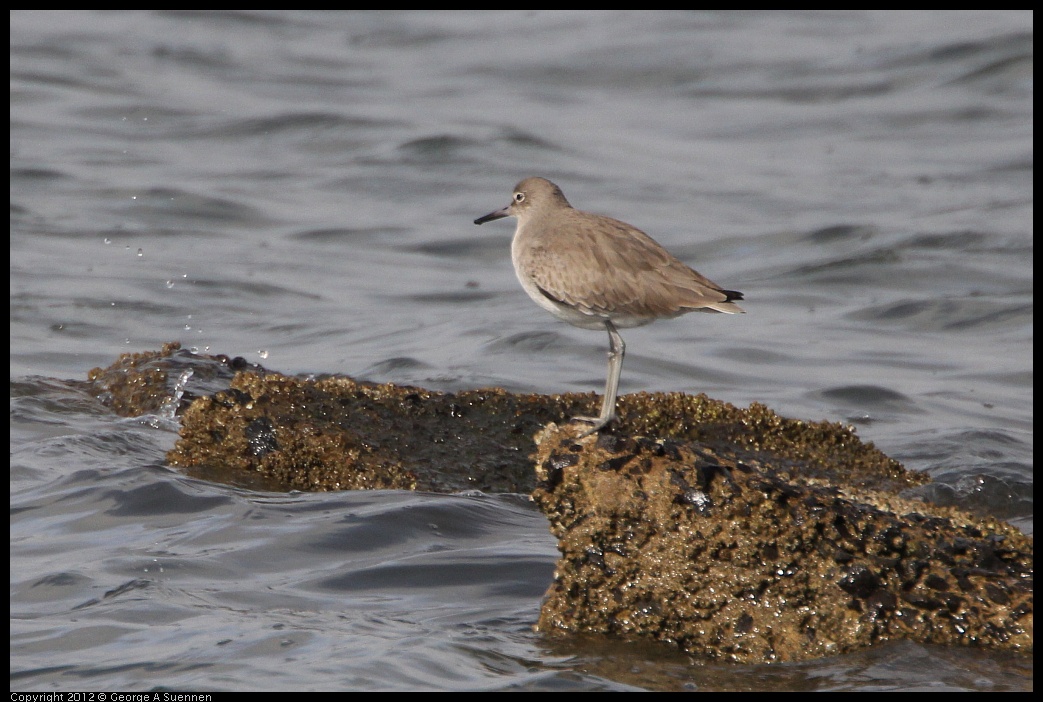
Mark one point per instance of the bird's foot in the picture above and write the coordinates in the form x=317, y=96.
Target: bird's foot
x=597, y=424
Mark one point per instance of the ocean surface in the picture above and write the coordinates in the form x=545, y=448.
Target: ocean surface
x=298, y=188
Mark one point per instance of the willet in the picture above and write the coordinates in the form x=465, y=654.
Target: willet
x=596, y=272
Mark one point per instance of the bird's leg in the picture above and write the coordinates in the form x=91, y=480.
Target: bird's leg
x=616, y=350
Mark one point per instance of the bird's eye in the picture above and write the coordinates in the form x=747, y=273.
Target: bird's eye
x=519, y=197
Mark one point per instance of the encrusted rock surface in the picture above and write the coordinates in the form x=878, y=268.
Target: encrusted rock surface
x=734, y=533
x=733, y=558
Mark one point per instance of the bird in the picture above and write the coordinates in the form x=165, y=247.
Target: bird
x=600, y=273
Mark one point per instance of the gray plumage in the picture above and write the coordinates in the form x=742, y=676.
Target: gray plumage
x=596, y=272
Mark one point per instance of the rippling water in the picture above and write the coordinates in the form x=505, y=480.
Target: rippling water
x=298, y=188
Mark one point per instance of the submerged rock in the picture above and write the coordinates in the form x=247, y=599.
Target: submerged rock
x=245, y=425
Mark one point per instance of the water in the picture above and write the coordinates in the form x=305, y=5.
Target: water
x=298, y=188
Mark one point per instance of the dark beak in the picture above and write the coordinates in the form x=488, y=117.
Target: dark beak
x=498, y=214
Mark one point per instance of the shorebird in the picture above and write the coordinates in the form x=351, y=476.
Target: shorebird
x=596, y=272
